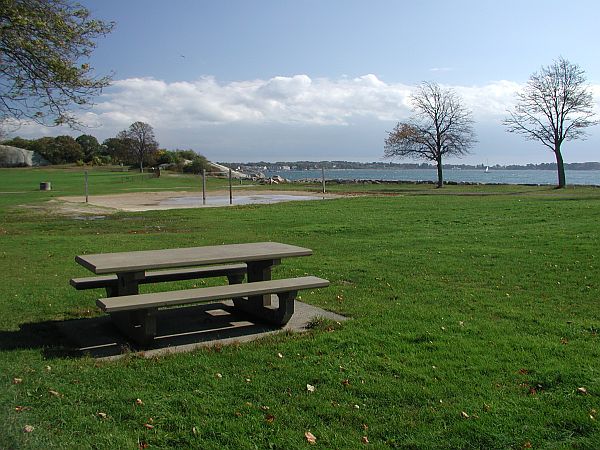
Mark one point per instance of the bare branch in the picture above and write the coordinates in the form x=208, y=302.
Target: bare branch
x=555, y=106
x=441, y=126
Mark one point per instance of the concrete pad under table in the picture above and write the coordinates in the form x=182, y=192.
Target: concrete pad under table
x=182, y=329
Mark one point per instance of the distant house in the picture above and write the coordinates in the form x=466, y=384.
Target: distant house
x=18, y=157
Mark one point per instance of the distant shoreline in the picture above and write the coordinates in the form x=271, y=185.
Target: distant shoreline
x=349, y=165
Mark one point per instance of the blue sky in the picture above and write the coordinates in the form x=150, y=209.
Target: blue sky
x=290, y=80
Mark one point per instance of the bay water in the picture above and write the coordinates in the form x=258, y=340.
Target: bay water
x=550, y=177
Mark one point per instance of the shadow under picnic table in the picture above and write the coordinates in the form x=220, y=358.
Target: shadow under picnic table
x=179, y=329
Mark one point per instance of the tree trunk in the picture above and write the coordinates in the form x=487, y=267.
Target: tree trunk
x=562, y=182
x=141, y=166
x=440, y=181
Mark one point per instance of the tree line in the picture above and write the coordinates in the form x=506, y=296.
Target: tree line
x=135, y=146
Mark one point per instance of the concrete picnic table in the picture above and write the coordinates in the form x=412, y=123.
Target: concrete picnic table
x=131, y=269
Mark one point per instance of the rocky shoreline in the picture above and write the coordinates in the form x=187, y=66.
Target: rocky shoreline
x=449, y=183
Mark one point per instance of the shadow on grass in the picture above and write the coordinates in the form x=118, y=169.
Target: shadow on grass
x=179, y=329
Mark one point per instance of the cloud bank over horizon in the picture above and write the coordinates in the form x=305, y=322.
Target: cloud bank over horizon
x=283, y=117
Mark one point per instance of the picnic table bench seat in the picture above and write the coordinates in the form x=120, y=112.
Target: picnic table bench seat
x=136, y=314
x=234, y=272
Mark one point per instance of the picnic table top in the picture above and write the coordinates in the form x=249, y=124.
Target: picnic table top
x=184, y=257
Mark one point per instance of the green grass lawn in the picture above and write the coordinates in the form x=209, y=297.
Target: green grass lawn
x=474, y=323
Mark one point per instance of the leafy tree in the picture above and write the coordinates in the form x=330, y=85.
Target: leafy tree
x=44, y=48
x=140, y=142
x=198, y=164
x=441, y=126
x=555, y=106
x=90, y=146
x=19, y=142
x=117, y=149
x=58, y=150
x=186, y=154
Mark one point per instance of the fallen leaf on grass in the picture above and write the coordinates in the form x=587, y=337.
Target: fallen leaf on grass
x=149, y=426
x=464, y=415
x=139, y=402
x=364, y=440
x=17, y=380
x=194, y=430
x=279, y=355
x=142, y=445
x=55, y=393
x=527, y=444
x=218, y=375
x=102, y=415
x=28, y=428
x=22, y=408
x=582, y=391
x=346, y=382
x=264, y=408
x=269, y=418
x=310, y=438
x=523, y=371
x=310, y=388
x=365, y=426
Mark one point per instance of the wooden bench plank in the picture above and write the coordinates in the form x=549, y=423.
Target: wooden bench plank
x=206, y=294
x=158, y=276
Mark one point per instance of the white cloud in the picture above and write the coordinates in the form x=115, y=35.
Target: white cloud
x=282, y=112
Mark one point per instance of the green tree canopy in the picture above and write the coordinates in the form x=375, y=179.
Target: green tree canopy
x=44, y=49
x=89, y=145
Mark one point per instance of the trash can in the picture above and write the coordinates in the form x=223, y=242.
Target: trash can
x=45, y=186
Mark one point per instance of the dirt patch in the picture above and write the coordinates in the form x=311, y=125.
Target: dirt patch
x=146, y=201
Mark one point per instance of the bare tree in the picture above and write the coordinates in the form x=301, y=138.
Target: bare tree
x=140, y=140
x=555, y=106
x=441, y=126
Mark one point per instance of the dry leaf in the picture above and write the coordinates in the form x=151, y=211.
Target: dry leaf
x=102, y=415
x=194, y=430
x=364, y=440
x=139, y=402
x=264, y=408
x=248, y=380
x=17, y=380
x=28, y=428
x=527, y=444
x=25, y=408
x=310, y=388
x=464, y=415
x=147, y=425
x=218, y=375
x=48, y=368
x=55, y=393
x=582, y=391
x=279, y=355
x=365, y=426
x=310, y=438
x=269, y=418
x=142, y=445
x=523, y=371
x=356, y=407
x=346, y=382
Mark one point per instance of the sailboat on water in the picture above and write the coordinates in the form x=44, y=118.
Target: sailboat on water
x=487, y=169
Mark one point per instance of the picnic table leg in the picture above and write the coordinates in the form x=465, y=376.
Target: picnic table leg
x=260, y=306
x=139, y=325
x=261, y=271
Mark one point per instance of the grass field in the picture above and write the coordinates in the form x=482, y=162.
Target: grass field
x=474, y=323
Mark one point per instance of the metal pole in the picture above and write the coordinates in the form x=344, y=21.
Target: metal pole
x=86, y=186
x=230, y=189
x=323, y=177
x=203, y=187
